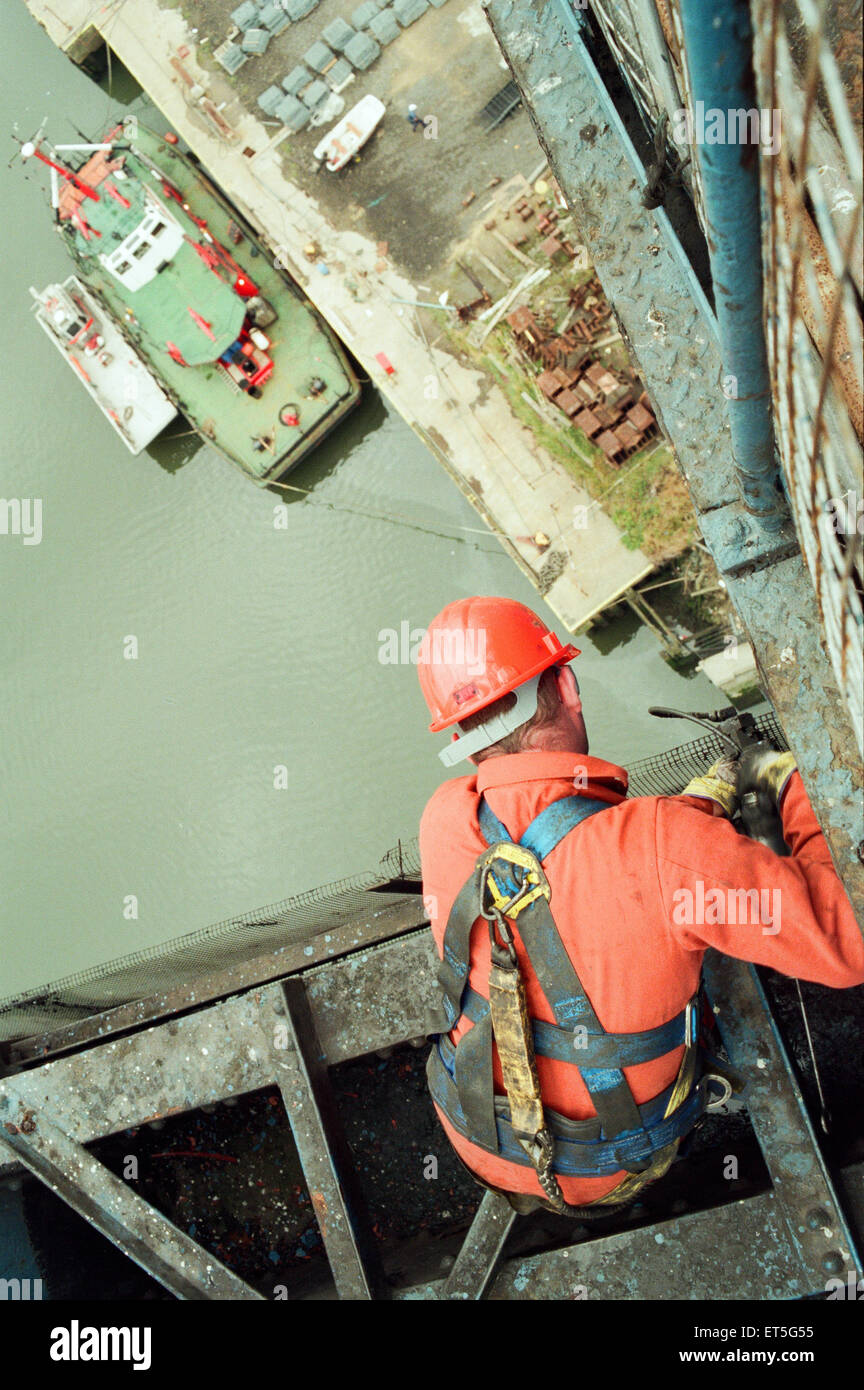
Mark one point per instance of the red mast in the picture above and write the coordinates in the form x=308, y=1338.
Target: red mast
x=30, y=149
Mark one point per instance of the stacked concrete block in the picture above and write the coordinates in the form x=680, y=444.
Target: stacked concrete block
x=316, y=94
x=270, y=100
x=362, y=51
x=364, y=14
x=338, y=35
x=274, y=18
x=255, y=42
x=407, y=11
x=319, y=56
x=245, y=16
x=297, y=79
x=340, y=74
x=298, y=9
x=231, y=57
x=384, y=27
x=292, y=113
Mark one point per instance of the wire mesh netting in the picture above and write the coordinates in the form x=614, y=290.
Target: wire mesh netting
x=666, y=773
x=266, y=929
x=808, y=69
x=186, y=958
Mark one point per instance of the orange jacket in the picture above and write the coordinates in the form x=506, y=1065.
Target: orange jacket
x=634, y=899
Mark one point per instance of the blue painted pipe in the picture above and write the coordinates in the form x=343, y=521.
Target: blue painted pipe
x=718, y=41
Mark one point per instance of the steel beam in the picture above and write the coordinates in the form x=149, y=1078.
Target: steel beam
x=803, y=689
x=816, y=1227
x=477, y=1263
x=792, y=1240
x=384, y=919
x=730, y=1252
x=737, y=1251
x=363, y=1002
x=331, y=1176
x=375, y=999
x=164, y=1070
x=109, y=1205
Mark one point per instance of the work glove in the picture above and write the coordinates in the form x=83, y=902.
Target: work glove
x=762, y=769
x=718, y=785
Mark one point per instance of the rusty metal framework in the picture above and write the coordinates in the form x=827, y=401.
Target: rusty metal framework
x=812, y=192
x=364, y=982
x=807, y=62
x=364, y=977
x=785, y=1242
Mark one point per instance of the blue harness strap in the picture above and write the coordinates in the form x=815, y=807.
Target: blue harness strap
x=461, y=1077
x=595, y=1050
x=545, y=832
x=547, y=829
x=580, y=1148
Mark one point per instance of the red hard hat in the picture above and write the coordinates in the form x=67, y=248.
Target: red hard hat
x=478, y=649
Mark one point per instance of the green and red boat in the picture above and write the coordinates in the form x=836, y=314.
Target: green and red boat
x=225, y=333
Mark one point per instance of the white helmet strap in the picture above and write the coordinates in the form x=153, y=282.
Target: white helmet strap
x=498, y=727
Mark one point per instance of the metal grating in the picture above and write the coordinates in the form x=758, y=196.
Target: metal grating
x=186, y=958
x=500, y=106
x=805, y=69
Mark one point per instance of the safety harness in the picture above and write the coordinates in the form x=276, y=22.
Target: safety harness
x=508, y=884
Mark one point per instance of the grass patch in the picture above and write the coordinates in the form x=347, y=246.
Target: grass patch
x=646, y=497
x=651, y=505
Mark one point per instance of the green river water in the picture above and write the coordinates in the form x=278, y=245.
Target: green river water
x=257, y=647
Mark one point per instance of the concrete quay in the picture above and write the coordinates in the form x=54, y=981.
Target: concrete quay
x=462, y=415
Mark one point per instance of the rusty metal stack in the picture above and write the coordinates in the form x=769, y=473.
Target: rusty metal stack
x=607, y=407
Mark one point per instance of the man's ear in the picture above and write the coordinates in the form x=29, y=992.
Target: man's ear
x=568, y=690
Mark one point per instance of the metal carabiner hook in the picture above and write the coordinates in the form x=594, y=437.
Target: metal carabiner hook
x=726, y=1092
x=503, y=950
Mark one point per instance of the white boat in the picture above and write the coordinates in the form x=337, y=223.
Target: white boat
x=109, y=369
x=352, y=132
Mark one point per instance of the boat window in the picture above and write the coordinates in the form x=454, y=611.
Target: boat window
x=155, y=231
x=122, y=268
x=141, y=250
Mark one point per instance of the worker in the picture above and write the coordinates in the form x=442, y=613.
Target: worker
x=570, y=922
x=416, y=122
